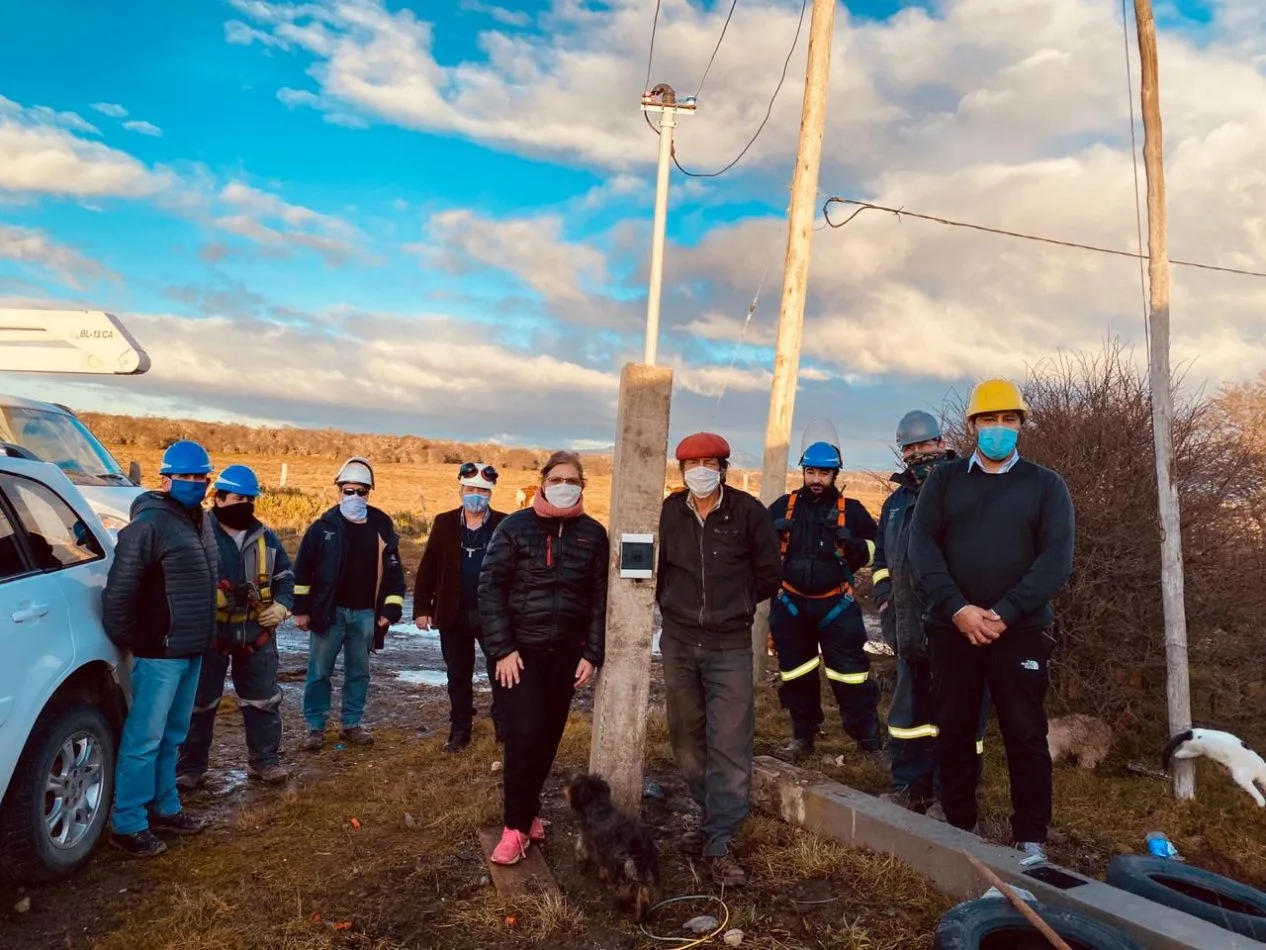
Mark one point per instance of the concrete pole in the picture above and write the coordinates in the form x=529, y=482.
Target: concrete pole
x=637, y=492
x=804, y=192
x=1178, y=684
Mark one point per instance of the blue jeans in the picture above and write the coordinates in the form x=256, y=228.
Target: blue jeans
x=162, y=702
x=352, y=633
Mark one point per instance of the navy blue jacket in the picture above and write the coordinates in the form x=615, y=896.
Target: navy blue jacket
x=239, y=566
x=812, y=562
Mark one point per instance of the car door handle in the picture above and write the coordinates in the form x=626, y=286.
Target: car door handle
x=33, y=612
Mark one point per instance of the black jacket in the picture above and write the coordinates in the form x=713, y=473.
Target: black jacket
x=159, y=598
x=437, y=589
x=544, y=586
x=320, y=564
x=712, y=575
x=817, y=534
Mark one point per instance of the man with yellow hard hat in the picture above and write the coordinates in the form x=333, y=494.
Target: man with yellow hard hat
x=992, y=543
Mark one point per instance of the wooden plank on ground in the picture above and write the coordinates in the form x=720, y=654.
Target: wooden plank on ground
x=531, y=876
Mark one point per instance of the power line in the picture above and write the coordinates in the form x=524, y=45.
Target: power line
x=711, y=59
x=804, y=5
x=650, y=53
x=902, y=212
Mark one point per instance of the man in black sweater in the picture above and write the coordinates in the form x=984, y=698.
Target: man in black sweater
x=992, y=543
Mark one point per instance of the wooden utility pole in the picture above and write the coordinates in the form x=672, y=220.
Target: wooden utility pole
x=795, y=280
x=1178, y=686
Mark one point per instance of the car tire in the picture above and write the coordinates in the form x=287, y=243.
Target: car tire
x=1219, y=900
x=991, y=923
x=27, y=849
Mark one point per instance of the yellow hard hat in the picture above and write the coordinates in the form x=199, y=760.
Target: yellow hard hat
x=995, y=395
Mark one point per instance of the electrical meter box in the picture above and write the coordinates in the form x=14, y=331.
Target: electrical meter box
x=637, y=556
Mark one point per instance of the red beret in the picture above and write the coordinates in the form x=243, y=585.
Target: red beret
x=703, y=445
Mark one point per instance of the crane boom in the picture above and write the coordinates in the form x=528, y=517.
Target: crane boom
x=68, y=341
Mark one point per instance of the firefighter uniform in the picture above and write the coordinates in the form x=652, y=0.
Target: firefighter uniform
x=824, y=538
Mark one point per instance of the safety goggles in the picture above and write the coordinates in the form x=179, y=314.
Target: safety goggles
x=470, y=470
x=349, y=490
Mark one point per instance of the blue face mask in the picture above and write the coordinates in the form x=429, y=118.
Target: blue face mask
x=188, y=494
x=475, y=504
x=353, y=507
x=997, y=442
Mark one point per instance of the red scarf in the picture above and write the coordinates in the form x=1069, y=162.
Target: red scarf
x=546, y=510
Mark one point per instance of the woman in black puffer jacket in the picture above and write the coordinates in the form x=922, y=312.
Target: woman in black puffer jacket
x=543, y=605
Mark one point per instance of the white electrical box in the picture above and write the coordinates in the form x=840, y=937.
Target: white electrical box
x=637, y=556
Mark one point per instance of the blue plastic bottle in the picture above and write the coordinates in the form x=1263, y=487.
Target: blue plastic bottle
x=1158, y=845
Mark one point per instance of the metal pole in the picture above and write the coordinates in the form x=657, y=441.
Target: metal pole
x=667, y=123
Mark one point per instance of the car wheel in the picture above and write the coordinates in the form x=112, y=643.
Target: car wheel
x=991, y=923
x=1219, y=900
x=59, y=797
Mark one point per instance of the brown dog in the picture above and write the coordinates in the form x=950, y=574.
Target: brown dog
x=1079, y=738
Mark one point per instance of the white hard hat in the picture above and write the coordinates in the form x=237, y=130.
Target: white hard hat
x=477, y=475
x=356, y=470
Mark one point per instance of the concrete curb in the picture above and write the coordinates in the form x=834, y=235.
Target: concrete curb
x=933, y=848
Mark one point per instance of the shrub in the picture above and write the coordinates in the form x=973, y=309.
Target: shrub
x=289, y=508
x=409, y=524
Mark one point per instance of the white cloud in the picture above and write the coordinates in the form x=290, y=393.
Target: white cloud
x=533, y=249
x=111, y=109
x=32, y=247
x=501, y=15
x=268, y=220
x=39, y=153
x=143, y=128
x=238, y=33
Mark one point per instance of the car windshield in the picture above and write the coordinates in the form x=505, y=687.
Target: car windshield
x=62, y=439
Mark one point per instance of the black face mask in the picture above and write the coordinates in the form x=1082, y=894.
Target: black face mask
x=236, y=516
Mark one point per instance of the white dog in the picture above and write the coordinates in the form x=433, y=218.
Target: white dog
x=1246, y=767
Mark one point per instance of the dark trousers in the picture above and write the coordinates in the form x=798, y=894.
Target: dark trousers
x=800, y=625
x=457, y=644
x=912, y=731
x=711, y=707
x=534, y=714
x=258, y=694
x=1014, y=669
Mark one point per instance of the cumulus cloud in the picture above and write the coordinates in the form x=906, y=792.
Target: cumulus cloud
x=143, y=128
x=31, y=247
x=265, y=219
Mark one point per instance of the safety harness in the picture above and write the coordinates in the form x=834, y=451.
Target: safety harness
x=844, y=590
x=246, y=602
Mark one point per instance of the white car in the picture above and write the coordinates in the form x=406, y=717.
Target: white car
x=63, y=686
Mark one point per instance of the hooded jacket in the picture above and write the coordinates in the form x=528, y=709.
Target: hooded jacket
x=159, y=598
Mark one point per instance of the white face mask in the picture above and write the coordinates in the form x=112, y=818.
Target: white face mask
x=702, y=482
x=563, y=495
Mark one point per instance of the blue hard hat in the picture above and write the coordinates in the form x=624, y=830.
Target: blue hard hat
x=238, y=479
x=821, y=455
x=185, y=457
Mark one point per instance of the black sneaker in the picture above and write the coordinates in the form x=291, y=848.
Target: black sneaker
x=143, y=844
x=181, y=823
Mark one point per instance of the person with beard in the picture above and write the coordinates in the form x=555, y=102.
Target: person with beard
x=254, y=595
x=911, y=717
x=815, y=619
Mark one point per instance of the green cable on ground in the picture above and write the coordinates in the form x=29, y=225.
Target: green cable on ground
x=698, y=941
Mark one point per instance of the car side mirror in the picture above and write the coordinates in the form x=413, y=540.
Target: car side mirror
x=134, y=473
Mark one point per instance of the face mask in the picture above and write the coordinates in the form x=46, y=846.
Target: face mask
x=237, y=516
x=188, y=494
x=353, y=507
x=475, y=504
x=702, y=481
x=997, y=442
x=562, y=496
x=920, y=466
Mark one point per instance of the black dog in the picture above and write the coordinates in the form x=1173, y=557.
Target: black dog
x=619, y=844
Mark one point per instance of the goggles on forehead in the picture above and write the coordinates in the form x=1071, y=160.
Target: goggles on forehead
x=470, y=470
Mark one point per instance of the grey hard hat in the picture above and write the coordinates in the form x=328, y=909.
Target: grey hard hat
x=917, y=426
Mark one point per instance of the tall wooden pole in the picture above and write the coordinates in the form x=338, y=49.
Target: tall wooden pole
x=804, y=199
x=1178, y=687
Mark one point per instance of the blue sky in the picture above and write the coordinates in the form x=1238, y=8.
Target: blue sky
x=367, y=214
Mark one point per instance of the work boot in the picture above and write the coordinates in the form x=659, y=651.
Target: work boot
x=906, y=799
x=936, y=812
x=458, y=739
x=181, y=823
x=356, y=735
x=143, y=844
x=315, y=740
x=799, y=749
x=726, y=871
x=188, y=781
x=273, y=774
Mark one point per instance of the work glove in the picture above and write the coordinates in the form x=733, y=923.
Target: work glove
x=272, y=615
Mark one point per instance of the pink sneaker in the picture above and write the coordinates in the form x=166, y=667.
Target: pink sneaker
x=511, y=849
x=537, y=831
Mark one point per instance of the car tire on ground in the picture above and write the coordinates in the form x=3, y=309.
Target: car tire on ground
x=74, y=742
x=1219, y=900
x=991, y=923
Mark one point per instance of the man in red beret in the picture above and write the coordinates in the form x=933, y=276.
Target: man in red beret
x=815, y=619
x=718, y=558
